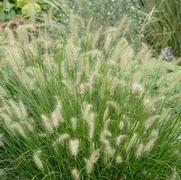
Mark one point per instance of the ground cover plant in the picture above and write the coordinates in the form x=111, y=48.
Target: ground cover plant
x=84, y=105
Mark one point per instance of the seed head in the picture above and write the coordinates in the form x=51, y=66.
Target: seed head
x=37, y=160
x=140, y=150
x=74, y=123
x=89, y=116
x=150, y=121
x=120, y=139
x=61, y=139
x=75, y=174
x=92, y=160
x=47, y=123
x=136, y=87
x=154, y=136
x=119, y=159
x=18, y=128
x=56, y=116
x=74, y=147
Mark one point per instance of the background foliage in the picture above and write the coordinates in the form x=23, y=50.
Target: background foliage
x=159, y=22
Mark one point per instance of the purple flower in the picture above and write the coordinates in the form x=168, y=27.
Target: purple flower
x=168, y=53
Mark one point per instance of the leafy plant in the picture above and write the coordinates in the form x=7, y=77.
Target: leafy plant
x=10, y=9
x=7, y=11
x=85, y=106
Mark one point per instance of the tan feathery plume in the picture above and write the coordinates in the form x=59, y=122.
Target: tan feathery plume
x=16, y=127
x=150, y=121
x=75, y=174
x=140, y=150
x=74, y=122
x=153, y=138
x=47, y=123
x=61, y=139
x=38, y=162
x=89, y=117
x=92, y=160
x=74, y=146
x=120, y=139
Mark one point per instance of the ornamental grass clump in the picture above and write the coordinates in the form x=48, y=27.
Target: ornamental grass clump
x=160, y=23
x=86, y=106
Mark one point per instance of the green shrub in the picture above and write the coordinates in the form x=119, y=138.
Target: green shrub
x=85, y=106
x=26, y=8
x=104, y=12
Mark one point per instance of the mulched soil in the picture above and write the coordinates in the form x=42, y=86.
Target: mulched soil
x=13, y=24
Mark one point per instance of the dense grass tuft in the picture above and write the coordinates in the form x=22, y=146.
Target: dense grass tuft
x=86, y=106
